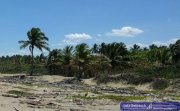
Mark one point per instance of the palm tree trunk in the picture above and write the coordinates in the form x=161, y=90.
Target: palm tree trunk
x=79, y=75
x=69, y=71
x=32, y=61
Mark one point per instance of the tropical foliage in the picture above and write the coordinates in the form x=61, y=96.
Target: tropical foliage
x=104, y=59
x=37, y=39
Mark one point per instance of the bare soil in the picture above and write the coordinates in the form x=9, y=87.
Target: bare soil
x=57, y=93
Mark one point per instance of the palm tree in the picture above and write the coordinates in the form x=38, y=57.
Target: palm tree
x=175, y=49
x=37, y=39
x=67, y=54
x=165, y=55
x=114, y=51
x=101, y=63
x=67, y=58
x=135, y=48
x=55, y=56
x=42, y=58
x=82, y=57
x=160, y=54
x=153, y=46
x=145, y=49
x=95, y=49
x=54, y=61
x=102, y=48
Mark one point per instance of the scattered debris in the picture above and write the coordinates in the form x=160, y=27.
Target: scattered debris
x=10, y=95
x=15, y=109
x=59, y=96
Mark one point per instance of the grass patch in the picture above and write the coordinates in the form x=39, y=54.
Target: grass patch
x=90, y=91
x=130, y=78
x=96, y=92
x=19, y=93
x=23, y=88
x=177, y=98
x=35, y=84
x=14, y=68
x=153, y=92
x=122, y=98
x=112, y=97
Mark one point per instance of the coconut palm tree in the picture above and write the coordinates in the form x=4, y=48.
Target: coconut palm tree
x=102, y=48
x=153, y=46
x=37, y=39
x=55, y=56
x=95, y=49
x=135, y=48
x=160, y=54
x=165, y=55
x=175, y=49
x=54, y=61
x=114, y=51
x=67, y=54
x=67, y=59
x=101, y=63
x=82, y=57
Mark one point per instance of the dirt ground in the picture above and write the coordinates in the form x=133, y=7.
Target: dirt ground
x=50, y=93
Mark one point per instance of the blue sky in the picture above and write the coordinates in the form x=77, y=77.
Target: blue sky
x=92, y=21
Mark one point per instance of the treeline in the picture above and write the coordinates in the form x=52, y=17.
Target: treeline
x=83, y=61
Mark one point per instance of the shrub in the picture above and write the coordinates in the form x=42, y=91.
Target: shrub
x=128, y=77
x=160, y=84
x=102, y=78
x=168, y=72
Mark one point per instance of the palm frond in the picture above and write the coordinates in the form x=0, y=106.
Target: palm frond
x=24, y=44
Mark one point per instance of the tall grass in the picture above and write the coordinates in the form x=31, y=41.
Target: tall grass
x=8, y=68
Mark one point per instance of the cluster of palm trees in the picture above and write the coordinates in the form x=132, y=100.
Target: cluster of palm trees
x=83, y=61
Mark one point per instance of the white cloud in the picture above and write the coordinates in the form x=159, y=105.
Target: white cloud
x=125, y=32
x=76, y=38
x=171, y=41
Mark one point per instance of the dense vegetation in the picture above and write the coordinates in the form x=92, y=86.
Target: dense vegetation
x=100, y=60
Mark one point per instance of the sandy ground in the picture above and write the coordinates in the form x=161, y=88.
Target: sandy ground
x=51, y=98
x=119, y=85
x=45, y=98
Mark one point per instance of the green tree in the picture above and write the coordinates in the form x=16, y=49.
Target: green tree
x=54, y=61
x=37, y=39
x=55, y=56
x=114, y=51
x=67, y=54
x=175, y=48
x=153, y=46
x=160, y=54
x=82, y=57
x=101, y=63
x=67, y=59
x=42, y=58
x=95, y=49
x=102, y=48
x=135, y=48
